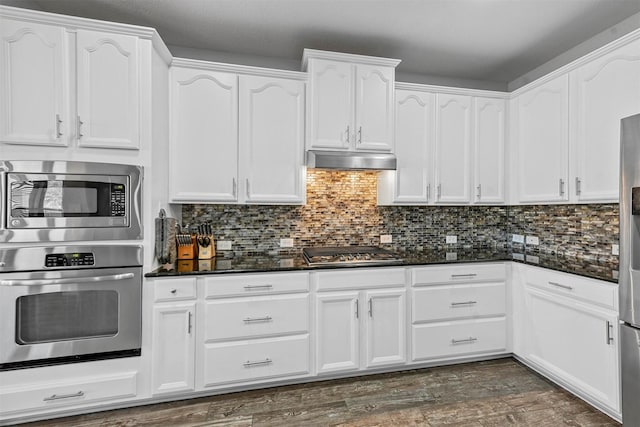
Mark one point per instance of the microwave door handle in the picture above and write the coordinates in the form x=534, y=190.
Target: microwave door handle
x=45, y=282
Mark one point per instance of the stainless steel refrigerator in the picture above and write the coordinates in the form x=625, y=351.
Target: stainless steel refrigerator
x=629, y=277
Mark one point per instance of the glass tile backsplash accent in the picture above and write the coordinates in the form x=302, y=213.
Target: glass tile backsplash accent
x=342, y=210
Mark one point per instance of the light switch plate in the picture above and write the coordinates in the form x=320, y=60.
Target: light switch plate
x=386, y=238
x=452, y=239
x=517, y=238
x=286, y=243
x=615, y=249
x=224, y=245
x=532, y=240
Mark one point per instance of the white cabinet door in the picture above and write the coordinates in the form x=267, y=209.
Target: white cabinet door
x=330, y=106
x=272, y=139
x=34, y=78
x=386, y=327
x=414, y=134
x=374, y=108
x=173, y=347
x=203, y=163
x=542, y=141
x=108, y=90
x=337, y=331
x=489, y=131
x=575, y=342
x=604, y=91
x=453, y=148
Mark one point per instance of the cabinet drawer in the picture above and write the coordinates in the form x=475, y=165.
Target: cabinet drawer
x=242, y=361
x=594, y=291
x=435, y=303
x=255, y=284
x=458, y=273
x=437, y=340
x=71, y=393
x=174, y=289
x=360, y=278
x=256, y=316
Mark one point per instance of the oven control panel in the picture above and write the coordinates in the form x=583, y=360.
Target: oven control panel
x=72, y=259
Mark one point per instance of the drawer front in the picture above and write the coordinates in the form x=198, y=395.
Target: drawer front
x=243, y=361
x=594, y=291
x=256, y=316
x=438, y=340
x=455, y=273
x=359, y=278
x=75, y=393
x=255, y=284
x=174, y=289
x=434, y=303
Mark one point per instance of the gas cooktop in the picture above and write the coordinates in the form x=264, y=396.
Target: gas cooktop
x=349, y=255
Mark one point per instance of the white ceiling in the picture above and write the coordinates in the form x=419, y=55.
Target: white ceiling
x=479, y=40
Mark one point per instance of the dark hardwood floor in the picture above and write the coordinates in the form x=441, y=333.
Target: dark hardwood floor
x=493, y=393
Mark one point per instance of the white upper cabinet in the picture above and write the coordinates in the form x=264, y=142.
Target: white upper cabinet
x=203, y=164
x=350, y=101
x=236, y=139
x=414, y=135
x=34, y=106
x=453, y=148
x=38, y=65
x=603, y=92
x=108, y=90
x=543, y=142
x=272, y=139
x=374, y=108
x=489, y=141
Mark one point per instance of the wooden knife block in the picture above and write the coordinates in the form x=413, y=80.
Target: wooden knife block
x=207, y=252
x=188, y=251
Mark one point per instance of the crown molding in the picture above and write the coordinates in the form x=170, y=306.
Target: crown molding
x=451, y=90
x=238, y=69
x=346, y=57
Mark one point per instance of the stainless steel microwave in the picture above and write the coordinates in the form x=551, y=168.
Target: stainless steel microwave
x=49, y=201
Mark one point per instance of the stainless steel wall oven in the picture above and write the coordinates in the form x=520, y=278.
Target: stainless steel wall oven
x=67, y=201
x=63, y=304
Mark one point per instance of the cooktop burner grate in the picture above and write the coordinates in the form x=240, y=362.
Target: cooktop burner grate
x=349, y=255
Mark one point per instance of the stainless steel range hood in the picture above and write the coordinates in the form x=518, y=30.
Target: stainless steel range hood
x=350, y=160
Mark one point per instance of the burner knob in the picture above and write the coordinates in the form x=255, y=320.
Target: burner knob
x=342, y=258
x=367, y=257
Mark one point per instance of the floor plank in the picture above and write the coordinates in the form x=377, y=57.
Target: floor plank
x=482, y=394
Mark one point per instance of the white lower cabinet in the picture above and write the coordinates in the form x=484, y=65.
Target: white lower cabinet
x=571, y=338
x=458, y=311
x=360, y=328
x=255, y=327
x=173, y=336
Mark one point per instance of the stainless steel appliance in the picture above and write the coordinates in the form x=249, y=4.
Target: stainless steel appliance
x=629, y=277
x=349, y=256
x=350, y=160
x=66, y=201
x=63, y=304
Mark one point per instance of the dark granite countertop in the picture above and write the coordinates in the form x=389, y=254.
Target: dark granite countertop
x=256, y=263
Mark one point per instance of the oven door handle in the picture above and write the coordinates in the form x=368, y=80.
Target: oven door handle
x=45, y=282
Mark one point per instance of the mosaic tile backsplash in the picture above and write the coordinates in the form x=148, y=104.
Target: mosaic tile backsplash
x=342, y=210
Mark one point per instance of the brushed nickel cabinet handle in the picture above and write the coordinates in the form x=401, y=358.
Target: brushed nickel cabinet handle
x=348, y=133
x=463, y=303
x=257, y=319
x=249, y=363
x=479, y=189
x=357, y=309
x=247, y=189
x=428, y=192
x=464, y=341
x=58, y=128
x=439, y=191
x=79, y=124
x=462, y=276
x=235, y=187
x=190, y=325
x=370, y=308
x=578, y=186
x=559, y=285
x=609, y=333
x=360, y=135
x=253, y=287
x=561, y=187
x=63, y=396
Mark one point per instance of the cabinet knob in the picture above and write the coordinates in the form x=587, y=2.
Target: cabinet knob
x=174, y=291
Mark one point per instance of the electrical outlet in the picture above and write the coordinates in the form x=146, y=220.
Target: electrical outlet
x=224, y=245
x=286, y=263
x=532, y=240
x=451, y=256
x=452, y=239
x=386, y=238
x=533, y=259
x=517, y=238
x=286, y=243
x=615, y=249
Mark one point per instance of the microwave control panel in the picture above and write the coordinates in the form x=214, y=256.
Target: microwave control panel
x=69, y=259
x=118, y=200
